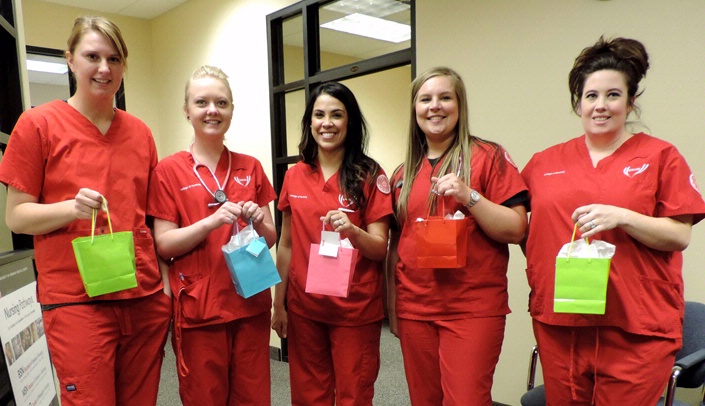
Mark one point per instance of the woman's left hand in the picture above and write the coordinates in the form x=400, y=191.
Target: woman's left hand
x=594, y=218
x=451, y=185
x=252, y=211
x=339, y=221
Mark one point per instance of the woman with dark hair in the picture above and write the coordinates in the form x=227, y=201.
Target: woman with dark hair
x=333, y=341
x=633, y=191
x=450, y=322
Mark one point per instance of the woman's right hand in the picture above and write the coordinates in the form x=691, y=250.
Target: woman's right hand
x=85, y=201
x=280, y=321
x=228, y=213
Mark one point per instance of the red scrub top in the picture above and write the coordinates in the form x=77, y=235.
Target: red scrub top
x=308, y=197
x=177, y=195
x=53, y=152
x=480, y=288
x=645, y=175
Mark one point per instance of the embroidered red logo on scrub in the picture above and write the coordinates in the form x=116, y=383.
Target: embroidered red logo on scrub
x=631, y=172
x=242, y=181
x=343, y=201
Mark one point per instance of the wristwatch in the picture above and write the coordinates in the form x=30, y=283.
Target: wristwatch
x=475, y=197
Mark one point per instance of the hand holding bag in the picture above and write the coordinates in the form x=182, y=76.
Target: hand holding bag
x=106, y=262
x=582, y=272
x=441, y=242
x=251, y=266
x=331, y=266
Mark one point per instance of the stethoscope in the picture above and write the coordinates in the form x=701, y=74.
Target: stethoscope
x=219, y=195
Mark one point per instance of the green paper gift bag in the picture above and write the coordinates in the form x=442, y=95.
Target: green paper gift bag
x=106, y=262
x=581, y=283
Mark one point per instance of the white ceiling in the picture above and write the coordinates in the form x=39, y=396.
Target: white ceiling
x=147, y=9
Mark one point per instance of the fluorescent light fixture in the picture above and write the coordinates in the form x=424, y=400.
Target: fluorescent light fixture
x=373, y=8
x=47, y=67
x=371, y=27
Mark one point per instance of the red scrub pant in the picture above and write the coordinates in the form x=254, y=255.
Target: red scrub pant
x=332, y=365
x=451, y=362
x=109, y=353
x=603, y=365
x=228, y=363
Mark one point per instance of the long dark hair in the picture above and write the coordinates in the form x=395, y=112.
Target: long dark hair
x=357, y=167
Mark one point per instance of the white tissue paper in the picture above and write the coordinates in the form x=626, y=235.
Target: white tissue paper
x=458, y=215
x=246, y=236
x=581, y=249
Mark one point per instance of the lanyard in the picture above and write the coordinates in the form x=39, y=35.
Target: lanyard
x=219, y=195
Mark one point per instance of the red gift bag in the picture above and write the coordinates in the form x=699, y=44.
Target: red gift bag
x=331, y=276
x=441, y=242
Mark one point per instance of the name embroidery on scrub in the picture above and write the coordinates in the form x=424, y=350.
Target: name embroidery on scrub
x=631, y=172
x=554, y=173
x=190, y=186
x=298, y=197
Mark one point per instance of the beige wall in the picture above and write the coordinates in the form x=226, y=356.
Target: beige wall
x=514, y=56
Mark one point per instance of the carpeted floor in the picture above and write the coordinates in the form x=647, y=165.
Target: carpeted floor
x=390, y=388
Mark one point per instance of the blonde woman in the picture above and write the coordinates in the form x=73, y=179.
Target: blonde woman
x=450, y=322
x=65, y=159
x=221, y=340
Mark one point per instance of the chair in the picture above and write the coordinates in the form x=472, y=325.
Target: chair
x=688, y=370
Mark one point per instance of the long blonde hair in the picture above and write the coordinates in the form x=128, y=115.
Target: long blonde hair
x=457, y=156
x=418, y=146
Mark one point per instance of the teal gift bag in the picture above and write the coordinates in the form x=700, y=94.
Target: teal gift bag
x=251, y=266
x=106, y=262
x=581, y=283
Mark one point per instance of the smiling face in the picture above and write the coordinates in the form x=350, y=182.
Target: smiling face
x=97, y=66
x=329, y=123
x=436, y=108
x=604, y=105
x=209, y=107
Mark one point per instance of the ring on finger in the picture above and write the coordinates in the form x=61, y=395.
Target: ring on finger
x=341, y=222
x=592, y=225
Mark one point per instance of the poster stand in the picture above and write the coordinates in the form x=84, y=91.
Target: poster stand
x=26, y=374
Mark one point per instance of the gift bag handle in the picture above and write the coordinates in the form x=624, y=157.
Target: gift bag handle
x=236, y=229
x=323, y=228
x=437, y=195
x=94, y=217
x=570, y=247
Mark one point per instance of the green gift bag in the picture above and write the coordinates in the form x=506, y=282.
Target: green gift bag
x=106, y=262
x=581, y=283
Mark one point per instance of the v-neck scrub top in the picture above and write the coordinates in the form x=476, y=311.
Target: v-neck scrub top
x=53, y=152
x=308, y=196
x=200, y=278
x=645, y=175
x=478, y=289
